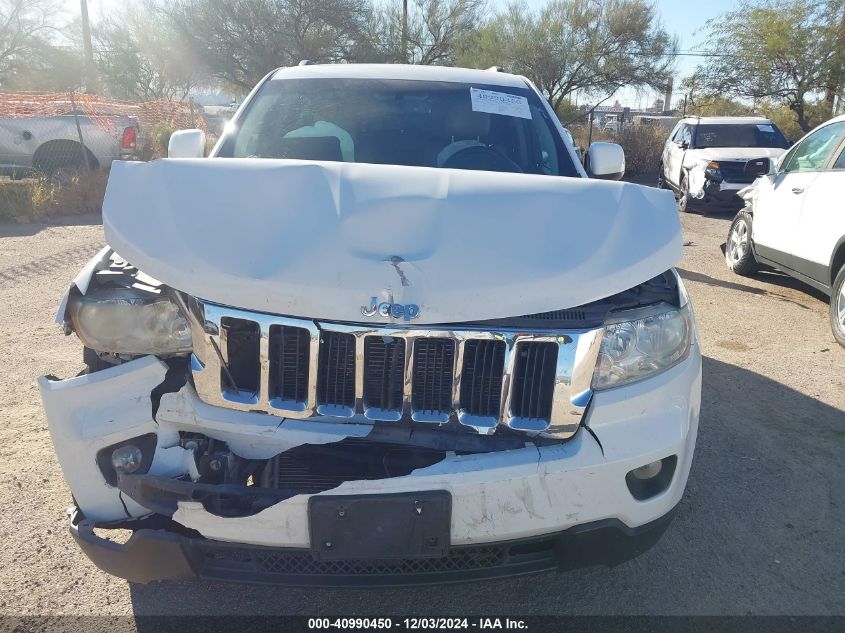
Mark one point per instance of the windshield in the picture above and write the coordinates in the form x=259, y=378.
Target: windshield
x=739, y=135
x=401, y=122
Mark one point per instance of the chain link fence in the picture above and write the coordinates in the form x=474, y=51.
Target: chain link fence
x=60, y=146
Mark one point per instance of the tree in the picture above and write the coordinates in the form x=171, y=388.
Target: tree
x=590, y=47
x=140, y=55
x=240, y=41
x=784, y=52
x=435, y=33
x=26, y=27
x=699, y=102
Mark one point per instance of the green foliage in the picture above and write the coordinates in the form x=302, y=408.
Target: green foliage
x=159, y=138
x=786, y=52
x=816, y=112
x=702, y=104
x=643, y=144
x=240, y=42
x=593, y=47
x=26, y=27
x=140, y=55
x=438, y=31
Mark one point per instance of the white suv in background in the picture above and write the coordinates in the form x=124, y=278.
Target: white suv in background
x=795, y=221
x=704, y=159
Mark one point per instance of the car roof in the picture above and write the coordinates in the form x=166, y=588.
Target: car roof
x=401, y=71
x=726, y=120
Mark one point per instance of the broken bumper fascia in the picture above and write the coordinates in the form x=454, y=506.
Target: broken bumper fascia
x=526, y=493
x=722, y=194
x=159, y=554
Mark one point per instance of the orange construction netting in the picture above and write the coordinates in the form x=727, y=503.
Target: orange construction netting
x=102, y=111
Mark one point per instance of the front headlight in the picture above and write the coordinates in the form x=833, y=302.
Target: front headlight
x=713, y=171
x=127, y=321
x=633, y=350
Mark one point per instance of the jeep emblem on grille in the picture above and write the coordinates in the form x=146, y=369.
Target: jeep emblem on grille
x=396, y=310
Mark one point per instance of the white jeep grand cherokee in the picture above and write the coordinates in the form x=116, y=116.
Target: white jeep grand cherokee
x=387, y=333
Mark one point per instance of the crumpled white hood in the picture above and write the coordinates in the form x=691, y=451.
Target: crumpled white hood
x=319, y=240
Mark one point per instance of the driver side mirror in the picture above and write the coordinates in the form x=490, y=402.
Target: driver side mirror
x=605, y=161
x=186, y=144
x=757, y=167
x=682, y=144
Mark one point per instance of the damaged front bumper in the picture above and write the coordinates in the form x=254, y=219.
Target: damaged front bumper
x=154, y=552
x=723, y=195
x=524, y=508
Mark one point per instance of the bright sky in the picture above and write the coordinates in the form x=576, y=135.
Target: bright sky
x=680, y=17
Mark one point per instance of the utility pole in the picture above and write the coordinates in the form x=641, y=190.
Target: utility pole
x=404, y=31
x=88, y=50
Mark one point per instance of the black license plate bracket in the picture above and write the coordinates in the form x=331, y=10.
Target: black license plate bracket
x=380, y=526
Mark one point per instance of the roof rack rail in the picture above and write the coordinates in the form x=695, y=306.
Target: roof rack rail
x=496, y=69
x=306, y=62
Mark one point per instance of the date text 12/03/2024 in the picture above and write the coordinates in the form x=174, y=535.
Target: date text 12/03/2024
x=414, y=624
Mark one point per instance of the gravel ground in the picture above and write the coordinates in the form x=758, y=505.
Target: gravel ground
x=760, y=530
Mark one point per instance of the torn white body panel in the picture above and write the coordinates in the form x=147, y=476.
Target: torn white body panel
x=250, y=435
x=319, y=240
x=697, y=179
x=526, y=492
x=88, y=413
x=496, y=496
x=697, y=160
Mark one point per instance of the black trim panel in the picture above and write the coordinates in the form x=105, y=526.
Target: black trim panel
x=811, y=273
x=836, y=261
x=176, y=553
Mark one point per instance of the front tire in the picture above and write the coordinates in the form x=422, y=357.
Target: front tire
x=739, y=249
x=661, y=177
x=683, y=195
x=837, y=307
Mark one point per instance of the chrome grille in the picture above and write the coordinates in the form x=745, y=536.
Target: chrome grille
x=288, y=361
x=336, y=373
x=384, y=374
x=534, y=381
x=481, y=381
x=434, y=368
x=529, y=380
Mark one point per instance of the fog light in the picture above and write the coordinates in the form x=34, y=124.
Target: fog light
x=649, y=471
x=652, y=479
x=126, y=458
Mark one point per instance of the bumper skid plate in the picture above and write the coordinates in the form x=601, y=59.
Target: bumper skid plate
x=160, y=550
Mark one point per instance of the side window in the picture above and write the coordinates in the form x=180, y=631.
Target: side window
x=812, y=153
x=686, y=135
x=676, y=132
x=840, y=162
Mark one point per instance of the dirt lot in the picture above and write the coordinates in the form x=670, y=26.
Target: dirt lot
x=761, y=529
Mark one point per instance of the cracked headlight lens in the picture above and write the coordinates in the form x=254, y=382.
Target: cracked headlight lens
x=633, y=350
x=127, y=321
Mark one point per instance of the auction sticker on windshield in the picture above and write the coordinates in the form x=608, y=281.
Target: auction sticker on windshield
x=499, y=103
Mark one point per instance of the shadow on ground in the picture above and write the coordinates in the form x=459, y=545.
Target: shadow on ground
x=759, y=531
x=33, y=228
x=773, y=277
